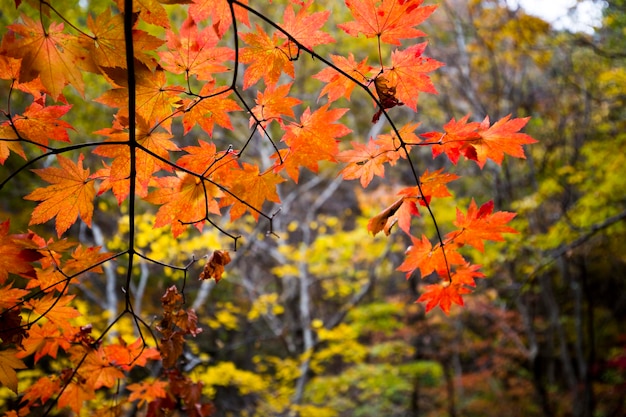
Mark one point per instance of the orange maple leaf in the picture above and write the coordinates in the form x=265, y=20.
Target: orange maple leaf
x=127, y=356
x=442, y=295
x=304, y=27
x=155, y=99
x=151, y=11
x=308, y=143
x=267, y=58
x=272, y=104
x=53, y=56
x=184, y=200
x=480, y=224
x=364, y=162
x=44, y=340
x=75, y=394
x=250, y=190
x=40, y=123
x=96, y=370
x=195, y=52
x=432, y=184
x=210, y=108
x=503, y=137
x=389, y=20
x=55, y=309
x=8, y=364
x=408, y=74
x=147, y=391
x=339, y=85
x=116, y=176
x=42, y=390
x=70, y=195
x=428, y=259
x=107, y=47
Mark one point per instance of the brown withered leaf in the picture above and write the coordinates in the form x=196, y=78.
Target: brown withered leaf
x=214, y=267
x=378, y=222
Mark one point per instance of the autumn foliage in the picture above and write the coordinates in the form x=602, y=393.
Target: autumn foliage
x=169, y=77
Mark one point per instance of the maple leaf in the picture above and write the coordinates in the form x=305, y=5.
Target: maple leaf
x=86, y=259
x=389, y=20
x=214, y=267
x=55, y=309
x=184, y=199
x=428, y=259
x=10, y=69
x=304, y=27
x=481, y=224
x=107, y=47
x=95, y=370
x=147, y=391
x=40, y=123
x=205, y=159
x=408, y=76
x=49, y=279
x=219, y=12
x=442, y=295
x=456, y=139
x=50, y=54
x=75, y=395
x=127, y=356
x=155, y=100
x=339, y=85
x=501, y=138
x=70, y=195
x=250, y=190
x=8, y=364
x=15, y=256
x=210, y=108
x=272, y=104
x=308, y=143
x=44, y=340
x=433, y=184
x=364, y=162
x=42, y=390
x=195, y=52
x=117, y=175
x=391, y=144
x=266, y=56
x=9, y=141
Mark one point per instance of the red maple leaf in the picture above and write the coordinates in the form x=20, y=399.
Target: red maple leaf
x=442, y=295
x=408, y=72
x=390, y=20
x=147, y=391
x=428, y=259
x=480, y=224
x=219, y=12
x=456, y=139
x=16, y=254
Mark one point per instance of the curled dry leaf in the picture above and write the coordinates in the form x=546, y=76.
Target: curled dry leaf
x=214, y=267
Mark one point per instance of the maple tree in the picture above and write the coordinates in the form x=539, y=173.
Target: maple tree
x=165, y=92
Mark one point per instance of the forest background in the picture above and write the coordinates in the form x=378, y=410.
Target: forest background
x=314, y=319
